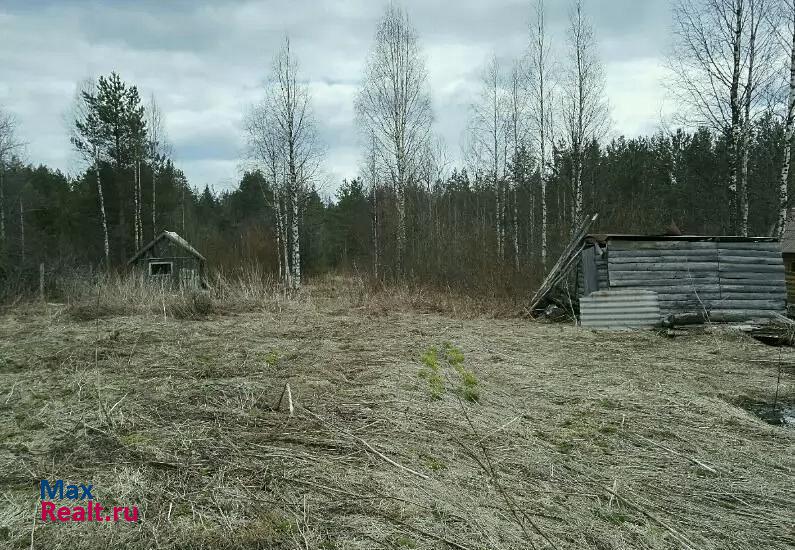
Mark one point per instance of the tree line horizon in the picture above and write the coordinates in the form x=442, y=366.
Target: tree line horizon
x=536, y=160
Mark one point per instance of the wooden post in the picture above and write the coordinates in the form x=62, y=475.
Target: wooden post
x=41, y=281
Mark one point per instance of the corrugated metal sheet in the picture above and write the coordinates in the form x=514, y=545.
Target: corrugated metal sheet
x=620, y=309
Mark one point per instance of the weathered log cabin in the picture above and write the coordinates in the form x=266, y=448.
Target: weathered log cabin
x=170, y=259
x=636, y=280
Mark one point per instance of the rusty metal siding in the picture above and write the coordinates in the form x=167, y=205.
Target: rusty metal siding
x=620, y=309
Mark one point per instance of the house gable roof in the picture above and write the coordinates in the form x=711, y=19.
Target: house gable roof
x=603, y=238
x=171, y=236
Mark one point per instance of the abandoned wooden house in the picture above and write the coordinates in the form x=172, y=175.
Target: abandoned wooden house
x=170, y=259
x=636, y=280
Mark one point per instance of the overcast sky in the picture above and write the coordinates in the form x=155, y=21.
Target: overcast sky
x=205, y=62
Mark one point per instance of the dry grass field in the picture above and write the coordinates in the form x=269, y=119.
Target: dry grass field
x=419, y=421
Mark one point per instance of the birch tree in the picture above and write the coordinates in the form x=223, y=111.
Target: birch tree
x=267, y=151
x=518, y=135
x=371, y=175
x=541, y=108
x=89, y=138
x=394, y=107
x=759, y=76
x=488, y=140
x=282, y=129
x=786, y=34
x=136, y=144
x=721, y=63
x=9, y=144
x=584, y=110
x=157, y=151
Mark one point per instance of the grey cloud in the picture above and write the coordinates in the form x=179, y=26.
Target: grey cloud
x=206, y=62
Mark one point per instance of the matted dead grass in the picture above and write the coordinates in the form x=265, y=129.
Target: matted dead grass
x=579, y=439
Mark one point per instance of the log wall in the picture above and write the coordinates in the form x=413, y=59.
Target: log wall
x=716, y=276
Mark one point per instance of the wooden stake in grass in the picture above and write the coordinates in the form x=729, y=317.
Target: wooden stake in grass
x=41, y=281
x=287, y=391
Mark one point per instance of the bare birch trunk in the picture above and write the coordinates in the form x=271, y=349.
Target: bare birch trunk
x=375, y=232
x=394, y=108
x=278, y=232
x=515, y=230
x=584, y=110
x=154, y=201
x=103, y=217
x=735, y=129
x=279, y=251
x=743, y=180
x=401, y=236
x=783, y=193
x=140, y=207
x=540, y=64
x=496, y=173
x=296, y=244
x=544, y=223
x=288, y=272
x=747, y=124
x=497, y=219
x=21, y=231
x=503, y=217
x=2, y=204
x=183, y=208
x=136, y=232
x=281, y=231
x=576, y=214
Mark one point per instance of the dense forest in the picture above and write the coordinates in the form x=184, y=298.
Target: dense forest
x=536, y=158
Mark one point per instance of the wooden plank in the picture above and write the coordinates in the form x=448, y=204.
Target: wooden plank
x=751, y=268
x=752, y=278
x=644, y=285
x=669, y=258
x=752, y=296
x=589, y=270
x=660, y=245
x=724, y=245
x=613, y=250
x=749, y=304
x=565, y=262
x=687, y=296
x=618, y=275
x=741, y=314
x=752, y=288
x=752, y=259
x=663, y=266
x=681, y=287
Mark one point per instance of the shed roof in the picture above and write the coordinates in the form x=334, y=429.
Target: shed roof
x=788, y=238
x=173, y=237
x=603, y=238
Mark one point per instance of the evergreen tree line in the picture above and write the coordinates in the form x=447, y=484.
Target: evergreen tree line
x=638, y=185
x=536, y=160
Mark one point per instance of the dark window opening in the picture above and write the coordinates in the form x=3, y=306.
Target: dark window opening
x=160, y=268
